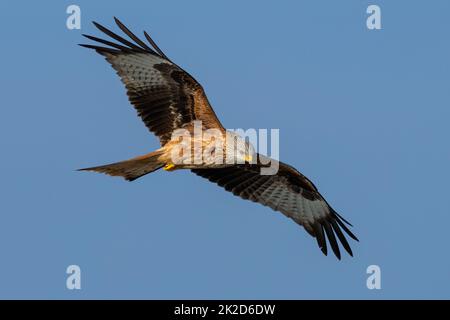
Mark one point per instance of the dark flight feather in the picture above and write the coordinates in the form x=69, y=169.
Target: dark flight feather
x=131, y=35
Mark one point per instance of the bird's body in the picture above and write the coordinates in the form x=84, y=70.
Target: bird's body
x=174, y=106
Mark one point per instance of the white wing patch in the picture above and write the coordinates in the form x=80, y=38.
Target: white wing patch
x=290, y=203
x=137, y=70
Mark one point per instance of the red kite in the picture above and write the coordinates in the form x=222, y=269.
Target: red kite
x=167, y=99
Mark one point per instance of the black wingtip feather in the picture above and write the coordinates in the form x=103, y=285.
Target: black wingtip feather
x=108, y=43
x=340, y=217
x=320, y=237
x=99, y=49
x=117, y=37
x=332, y=239
x=341, y=237
x=136, y=45
x=132, y=35
x=347, y=230
x=154, y=45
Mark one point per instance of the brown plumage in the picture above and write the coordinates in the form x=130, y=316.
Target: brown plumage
x=167, y=99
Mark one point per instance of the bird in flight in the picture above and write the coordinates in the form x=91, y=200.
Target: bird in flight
x=170, y=100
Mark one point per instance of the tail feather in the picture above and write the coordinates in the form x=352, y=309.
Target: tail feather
x=131, y=169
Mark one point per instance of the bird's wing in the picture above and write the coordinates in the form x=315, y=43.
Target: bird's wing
x=289, y=192
x=165, y=96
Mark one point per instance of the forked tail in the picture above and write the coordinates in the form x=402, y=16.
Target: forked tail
x=133, y=168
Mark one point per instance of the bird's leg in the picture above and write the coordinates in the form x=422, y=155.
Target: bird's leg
x=169, y=167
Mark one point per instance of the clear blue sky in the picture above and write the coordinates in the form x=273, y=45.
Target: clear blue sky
x=364, y=114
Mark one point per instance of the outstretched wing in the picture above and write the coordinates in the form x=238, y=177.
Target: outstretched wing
x=165, y=96
x=289, y=192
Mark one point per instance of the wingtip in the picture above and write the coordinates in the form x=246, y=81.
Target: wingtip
x=351, y=235
x=117, y=21
x=98, y=26
x=349, y=250
x=341, y=217
x=88, y=46
x=88, y=36
x=337, y=254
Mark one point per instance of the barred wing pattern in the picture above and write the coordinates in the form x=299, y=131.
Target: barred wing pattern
x=290, y=193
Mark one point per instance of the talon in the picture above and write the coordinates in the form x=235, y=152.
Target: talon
x=169, y=167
